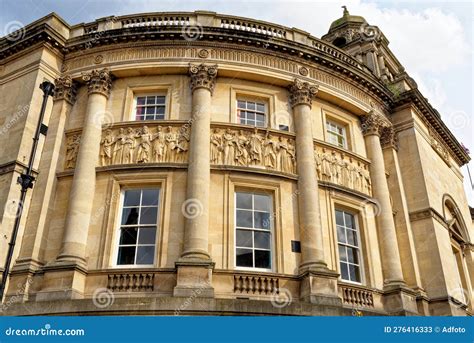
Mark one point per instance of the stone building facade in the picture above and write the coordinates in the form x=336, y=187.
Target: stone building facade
x=198, y=163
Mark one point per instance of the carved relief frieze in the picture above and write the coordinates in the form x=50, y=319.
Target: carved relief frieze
x=72, y=148
x=342, y=169
x=255, y=148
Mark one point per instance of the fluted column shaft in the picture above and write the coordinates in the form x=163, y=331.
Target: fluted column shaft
x=83, y=184
x=196, y=207
x=311, y=236
x=372, y=125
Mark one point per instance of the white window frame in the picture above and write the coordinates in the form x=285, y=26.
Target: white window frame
x=133, y=115
x=358, y=248
x=330, y=133
x=119, y=228
x=272, y=233
x=255, y=100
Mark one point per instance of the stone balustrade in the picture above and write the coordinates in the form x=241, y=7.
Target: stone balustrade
x=255, y=284
x=131, y=282
x=356, y=296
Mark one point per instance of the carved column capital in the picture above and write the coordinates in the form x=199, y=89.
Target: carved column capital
x=65, y=88
x=203, y=76
x=372, y=123
x=99, y=81
x=302, y=93
x=388, y=137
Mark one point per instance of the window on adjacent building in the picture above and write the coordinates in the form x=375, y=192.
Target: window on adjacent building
x=251, y=112
x=349, y=246
x=253, y=236
x=150, y=107
x=138, y=227
x=336, y=134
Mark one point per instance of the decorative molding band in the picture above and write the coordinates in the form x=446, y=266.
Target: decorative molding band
x=428, y=213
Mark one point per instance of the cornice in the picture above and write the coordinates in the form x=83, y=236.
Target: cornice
x=434, y=122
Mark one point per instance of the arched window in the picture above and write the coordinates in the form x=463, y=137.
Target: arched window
x=459, y=237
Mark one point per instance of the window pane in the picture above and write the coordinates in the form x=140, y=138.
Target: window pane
x=283, y=127
x=260, y=117
x=261, y=107
x=342, y=253
x=140, y=100
x=132, y=198
x=244, y=258
x=352, y=255
x=160, y=110
x=354, y=273
x=340, y=218
x=147, y=235
x=262, y=240
x=130, y=216
x=128, y=235
x=126, y=255
x=250, y=105
x=262, y=220
x=148, y=215
x=145, y=255
x=150, y=117
x=140, y=111
x=244, y=218
x=150, y=100
x=240, y=104
x=341, y=235
x=262, y=202
x=150, y=110
x=351, y=237
x=244, y=200
x=150, y=197
x=244, y=238
x=344, y=271
x=262, y=259
x=139, y=118
x=349, y=220
x=160, y=99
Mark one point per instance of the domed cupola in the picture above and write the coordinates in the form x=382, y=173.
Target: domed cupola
x=366, y=43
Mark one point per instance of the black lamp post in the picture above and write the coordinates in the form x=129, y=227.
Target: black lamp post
x=26, y=181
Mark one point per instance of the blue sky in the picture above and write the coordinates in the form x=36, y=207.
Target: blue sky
x=432, y=39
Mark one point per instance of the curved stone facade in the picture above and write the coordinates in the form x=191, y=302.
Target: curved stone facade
x=248, y=169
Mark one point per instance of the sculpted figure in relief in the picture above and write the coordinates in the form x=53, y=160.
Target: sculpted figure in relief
x=129, y=146
x=242, y=156
x=144, y=147
x=159, y=145
x=72, y=150
x=106, y=148
x=229, y=148
x=255, y=143
x=269, y=152
x=216, y=147
x=182, y=145
x=117, y=155
x=171, y=142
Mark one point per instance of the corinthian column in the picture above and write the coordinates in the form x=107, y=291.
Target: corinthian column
x=194, y=268
x=319, y=283
x=82, y=192
x=372, y=126
x=312, y=250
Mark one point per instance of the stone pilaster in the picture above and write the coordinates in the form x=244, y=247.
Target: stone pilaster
x=319, y=284
x=194, y=268
x=70, y=266
x=397, y=298
x=36, y=228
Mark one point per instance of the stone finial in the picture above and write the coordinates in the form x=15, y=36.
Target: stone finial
x=203, y=76
x=65, y=88
x=346, y=12
x=388, y=137
x=302, y=93
x=98, y=81
x=372, y=123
